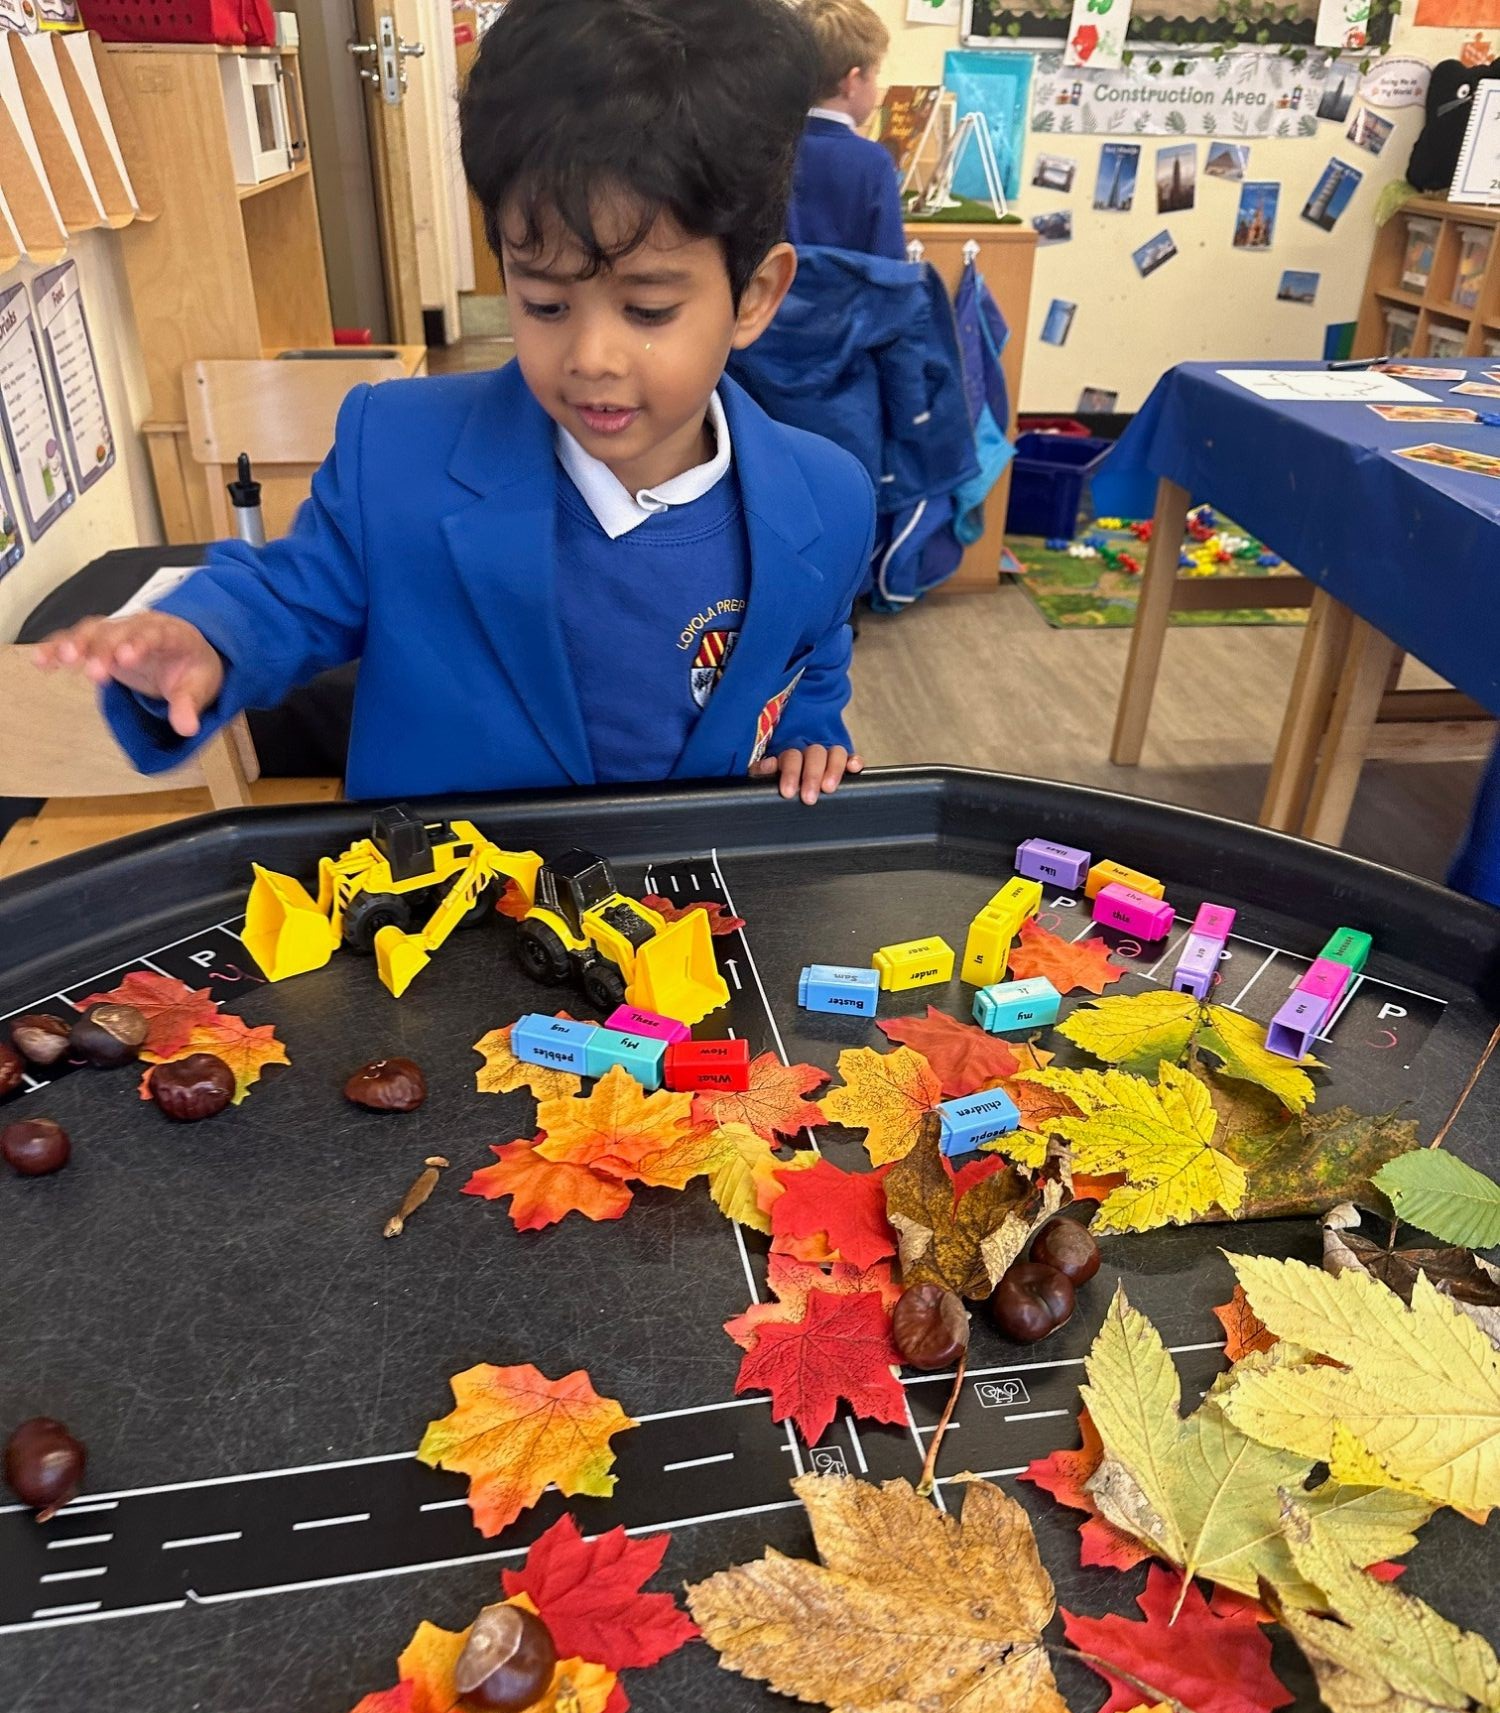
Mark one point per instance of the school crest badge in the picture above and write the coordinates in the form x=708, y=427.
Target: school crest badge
x=714, y=650
x=770, y=716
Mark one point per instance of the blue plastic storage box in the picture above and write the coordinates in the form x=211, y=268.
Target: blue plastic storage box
x=1047, y=482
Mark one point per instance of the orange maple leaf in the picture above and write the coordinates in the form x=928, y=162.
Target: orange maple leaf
x=546, y=1191
x=513, y=902
x=885, y=1094
x=614, y=1128
x=171, y=1008
x=773, y=1105
x=719, y=921
x=513, y=1431
x=1038, y=1106
x=792, y=1280
x=1067, y=964
x=503, y=1073
x=1244, y=1331
x=1065, y=1475
x=246, y=1050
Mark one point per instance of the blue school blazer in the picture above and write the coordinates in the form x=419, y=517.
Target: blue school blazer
x=427, y=551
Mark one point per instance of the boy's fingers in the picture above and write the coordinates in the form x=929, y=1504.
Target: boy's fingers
x=182, y=713
x=856, y=764
x=814, y=762
x=789, y=764
x=838, y=761
x=765, y=767
x=64, y=647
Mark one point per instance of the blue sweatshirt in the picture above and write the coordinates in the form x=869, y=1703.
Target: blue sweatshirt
x=844, y=193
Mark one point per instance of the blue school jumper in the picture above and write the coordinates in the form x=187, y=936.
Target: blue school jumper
x=429, y=551
x=844, y=193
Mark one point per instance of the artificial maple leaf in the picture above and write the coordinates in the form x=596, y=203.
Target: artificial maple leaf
x=1065, y=1475
x=1419, y=1385
x=791, y=1279
x=964, y=1057
x=171, y=1008
x=546, y=1191
x=846, y=1208
x=1244, y=1332
x=773, y=1105
x=513, y=902
x=963, y=1240
x=246, y=1051
x=1037, y=1105
x=503, y=1073
x=887, y=1095
x=614, y=1127
x=909, y=1608
x=1188, y=1649
x=1471, y=1283
x=719, y=919
x=513, y=1431
x=1160, y=1135
x=841, y=1348
x=735, y=1160
x=1202, y=1493
x=588, y=1594
x=1067, y=964
x=1380, y=1648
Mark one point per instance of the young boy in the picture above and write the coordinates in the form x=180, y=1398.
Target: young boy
x=844, y=192
x=604, y=562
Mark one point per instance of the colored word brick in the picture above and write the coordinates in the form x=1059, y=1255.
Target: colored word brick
x=975, y=1119
x=557, y=1042
x=1213, y=921
x=1197, y=965
x=1348, y=946
x=1133, y=913
x=692, y=1065
x=1056, y=865
x=1020, y=897
x=838, y=987
x=914, y=963
x=1031, y=1004
x=1295, y=1027
x=1109, y=873
x=629, y=1020
x=640, y=1056
x=987, y=948
x=1325, y=979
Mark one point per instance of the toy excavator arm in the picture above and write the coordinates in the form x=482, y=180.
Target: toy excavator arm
x=400, y=957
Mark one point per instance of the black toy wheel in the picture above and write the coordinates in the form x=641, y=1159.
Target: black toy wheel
x=369, y=913
x=483, y=906
x=603, y=986
x=542, y=954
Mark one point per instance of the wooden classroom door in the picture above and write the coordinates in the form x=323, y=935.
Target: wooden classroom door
x=381, y=57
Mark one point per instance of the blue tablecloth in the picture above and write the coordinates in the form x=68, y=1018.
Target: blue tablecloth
x=1412, y=548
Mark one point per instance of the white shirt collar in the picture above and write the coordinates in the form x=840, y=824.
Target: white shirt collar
x=834, y=114
x=615, y=508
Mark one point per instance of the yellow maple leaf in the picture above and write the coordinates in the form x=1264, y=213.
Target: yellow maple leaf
x=736, y=1160
x=503, y=1073
x=513, y=1431
x=1159, y=1135
x=614, y=1127
x=887, y=1095
x=1418, y=1388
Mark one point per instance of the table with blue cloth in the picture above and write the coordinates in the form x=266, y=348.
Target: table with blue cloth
x=1403, y=557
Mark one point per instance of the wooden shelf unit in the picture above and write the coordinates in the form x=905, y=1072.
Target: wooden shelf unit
x=1434, y=304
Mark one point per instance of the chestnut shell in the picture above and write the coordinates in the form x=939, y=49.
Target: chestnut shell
x=387, y=1085
x=192, y=1088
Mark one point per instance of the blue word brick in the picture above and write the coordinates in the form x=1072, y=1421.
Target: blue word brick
x=839, y=987
x=976, y=1119
x=556, y=1042
x=639, y=1055
x=1031, y=1004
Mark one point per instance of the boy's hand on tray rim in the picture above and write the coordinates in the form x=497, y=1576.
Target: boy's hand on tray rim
x=809, y=772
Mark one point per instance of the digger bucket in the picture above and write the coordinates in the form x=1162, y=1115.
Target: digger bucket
x=399, y=958
x=285, y=932
x=676, y=974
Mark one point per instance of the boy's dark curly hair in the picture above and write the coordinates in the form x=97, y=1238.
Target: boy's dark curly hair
x=692, y=108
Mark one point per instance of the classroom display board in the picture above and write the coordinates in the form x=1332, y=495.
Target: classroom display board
x=30, y=428
x=75, y=372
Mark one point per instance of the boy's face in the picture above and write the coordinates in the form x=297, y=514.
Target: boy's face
x=626, y=360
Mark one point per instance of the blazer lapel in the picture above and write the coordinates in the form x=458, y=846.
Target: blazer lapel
x=503, y=544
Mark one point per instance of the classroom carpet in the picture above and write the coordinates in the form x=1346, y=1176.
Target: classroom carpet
x=1073, y=593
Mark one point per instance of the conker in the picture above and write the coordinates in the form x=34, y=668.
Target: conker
x=11, y=1069
x=40, y=1038
x=35, y=1146
x=195, y=1087
x=44, y=1465
x=1069, y=1247
x=930, y=1326
x=387, y=1085
x=508, y=1660
x=109, y=1034
x=1031, y=1301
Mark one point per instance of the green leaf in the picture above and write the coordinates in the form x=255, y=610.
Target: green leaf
x=1437, y=1192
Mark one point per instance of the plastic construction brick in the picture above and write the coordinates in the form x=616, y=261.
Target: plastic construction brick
x=631, y=1020
x=1325, y=979
x=1133, y=913
x=1019, y=897
x=991, y=935
x=975, y=1119
x=1197, y=965
x=1108, y=873
x=1295, y=1027
x=1053, y=865
x=914, y=963
x=1030, y=1004
x=1348, y=946
x=640, y=1056
x=694, y=1065
x=556, y=1042
x=839, y=987
x=1214, y=921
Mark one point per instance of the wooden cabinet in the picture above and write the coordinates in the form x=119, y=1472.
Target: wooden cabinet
x=1430, y=279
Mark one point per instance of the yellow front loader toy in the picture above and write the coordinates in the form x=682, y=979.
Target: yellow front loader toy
x=577, y=925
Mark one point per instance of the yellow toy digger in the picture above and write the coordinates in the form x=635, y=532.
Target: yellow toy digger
x=577, y=925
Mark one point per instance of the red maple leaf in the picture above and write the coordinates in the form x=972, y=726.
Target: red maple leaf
x=842, y=1349
x=964, y=1057
x=791, y=1279
x=1067, y=964
x=546, y=1191
x=1065, y=1475
x=974, y=1172
x=1214, y=1656
x=774, y=1103
x=401, y=1699
x=1244, y=1331
x=588, y=1594
x=171, y=1008
x=719, y=922
x=848, y=1208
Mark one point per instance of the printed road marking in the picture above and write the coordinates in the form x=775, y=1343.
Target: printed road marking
x=66, y=1611
x=1035, y=1415
x=698, y=1462
x=77, y=1540
x=75, y=1575
x=442, y=1504
x=333, y=1522
x=203, y=1540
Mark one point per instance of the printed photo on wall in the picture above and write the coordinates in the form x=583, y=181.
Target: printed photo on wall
x=1255, y=223
x=1153, y=253
x=1054, y=172
x=1297, y=287
x=1338, y=90
x=1331, y=194
x=1114, y=192
x=1097, y=401
x=1054, y=228
x=1367, y=130
x=1227, y=160
x=1059, y=322
x=1176, y=177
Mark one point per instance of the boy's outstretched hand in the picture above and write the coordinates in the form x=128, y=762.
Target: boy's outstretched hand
x=152, y=653
x=807, y=773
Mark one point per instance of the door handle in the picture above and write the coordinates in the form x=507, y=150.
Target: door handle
x=387, y=51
